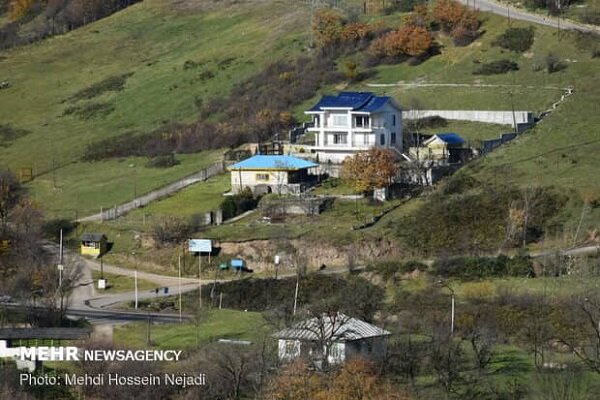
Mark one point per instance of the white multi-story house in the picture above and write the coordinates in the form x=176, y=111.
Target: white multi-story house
x=355, y=121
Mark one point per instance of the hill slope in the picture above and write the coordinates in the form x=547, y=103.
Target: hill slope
x=131, y=72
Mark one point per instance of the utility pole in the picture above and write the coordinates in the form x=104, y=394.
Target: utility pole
x=60, y=260
x=452, y=305
x=179, y=263
x=199, y=281
x=60, y=267
x=296, y=292
x=135, y=278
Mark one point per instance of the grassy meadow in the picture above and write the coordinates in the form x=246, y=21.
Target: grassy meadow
x=175, y=57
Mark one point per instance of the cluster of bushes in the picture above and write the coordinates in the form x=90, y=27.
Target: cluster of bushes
x=254, y=111
x=354, y=295
x=42, y=18
x=496, y=67
x=238, y=203
x=472, y=268
x=408, y=41
x=516, y=39
x=457, y=20
x=554, y=63
x=90, y=110
x=332, y=32
x=474, y=221
x=388, y=269
x=167, y=161
x=114, y=83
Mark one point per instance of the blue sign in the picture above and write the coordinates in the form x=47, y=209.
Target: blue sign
x=200, y=245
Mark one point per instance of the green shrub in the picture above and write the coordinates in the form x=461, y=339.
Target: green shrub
x=162, y=161
x=516, y=39
x=473, y=268
x=476, y=220
x=553, y=63
x=238, y=203
x=89, y=111
x=354, y=295
x=111, y=84
x=496, y=67
x=387, y=269
x=51, y=228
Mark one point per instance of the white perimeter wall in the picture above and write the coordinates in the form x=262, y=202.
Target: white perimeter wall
x=490, y=117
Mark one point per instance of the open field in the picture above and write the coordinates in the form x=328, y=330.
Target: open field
x=211, y=326
x=174, y=59
x=81, y=188
x=199, y=198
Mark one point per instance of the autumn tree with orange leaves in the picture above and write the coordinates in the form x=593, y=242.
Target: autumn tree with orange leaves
x=370, y=169
x=19, y=8
x=457, y=20
x=327, y=27
x=410, y=40
x=357, y=379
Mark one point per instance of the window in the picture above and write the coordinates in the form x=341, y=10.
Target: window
x=382, y=139
x=262, y=177
x=393, y=119
x=340, y=120
x=291, y=348
x=361, y=121
x=317, y=121
x=339, y=138
x=393, y=138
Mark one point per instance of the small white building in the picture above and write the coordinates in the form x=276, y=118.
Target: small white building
x=279, y=174
x=355, y=121
x=336, y=335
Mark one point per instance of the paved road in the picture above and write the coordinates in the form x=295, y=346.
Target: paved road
x=520, y=14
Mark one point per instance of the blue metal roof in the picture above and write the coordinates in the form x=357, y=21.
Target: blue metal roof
x=357, y=101
x=285, y=163
x=451, y=138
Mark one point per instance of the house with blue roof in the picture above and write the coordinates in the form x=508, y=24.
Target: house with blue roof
x=350, y=122
x=446, y=147
x=281, y=174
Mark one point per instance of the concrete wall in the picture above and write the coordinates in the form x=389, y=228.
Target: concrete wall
x=490, y=117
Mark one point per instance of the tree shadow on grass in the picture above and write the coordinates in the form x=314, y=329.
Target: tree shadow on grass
x=512, y=363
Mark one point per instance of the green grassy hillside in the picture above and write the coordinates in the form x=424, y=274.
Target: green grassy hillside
x=157, y=61
x=171, y=55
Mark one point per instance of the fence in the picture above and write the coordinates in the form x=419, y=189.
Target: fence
x=523, y=119
x=117, y=211
x=491, y=144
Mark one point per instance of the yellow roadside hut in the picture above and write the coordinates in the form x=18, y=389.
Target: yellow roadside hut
x=93, y=244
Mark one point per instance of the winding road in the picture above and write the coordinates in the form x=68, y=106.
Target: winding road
x=520, y=14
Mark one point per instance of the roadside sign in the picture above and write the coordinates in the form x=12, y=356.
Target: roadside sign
x=60, y=267
x=200, y=245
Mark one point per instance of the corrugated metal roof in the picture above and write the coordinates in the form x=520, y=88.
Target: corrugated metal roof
x=450, y=138
x=356, y=101
x=92, y=237
x=274, y=162
x=352, y=100
x=374, y=104
x=339, y=327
